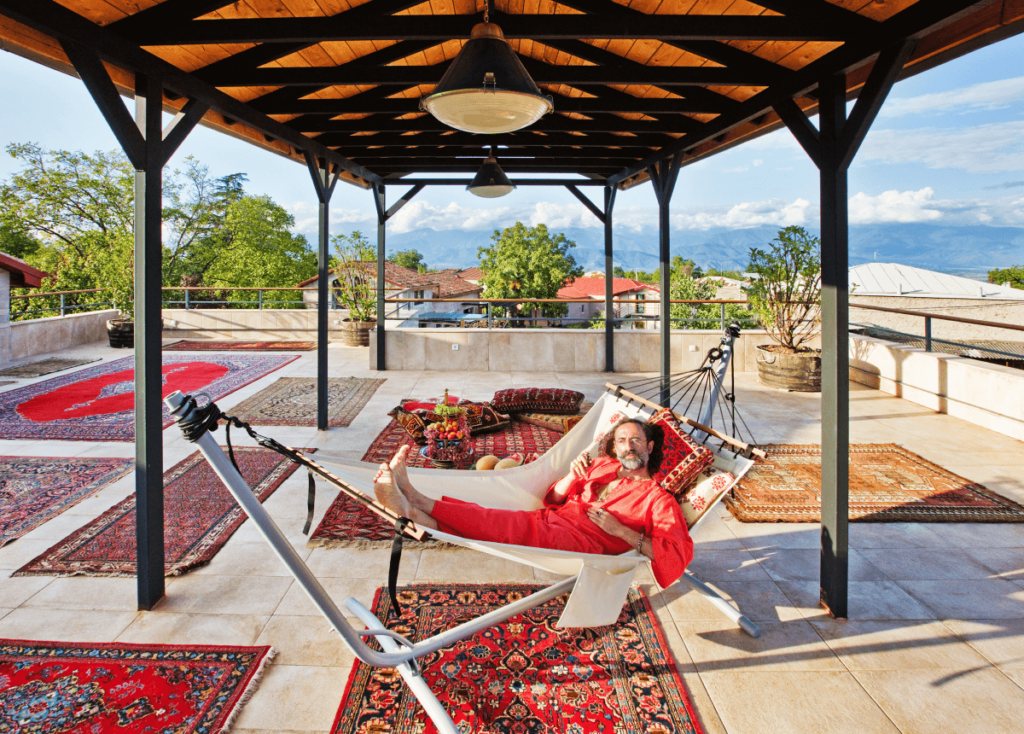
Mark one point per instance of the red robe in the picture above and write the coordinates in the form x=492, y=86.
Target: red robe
x=640, y=505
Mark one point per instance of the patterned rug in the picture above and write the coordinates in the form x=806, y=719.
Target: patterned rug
x=98, y=403
x=291, y=401
x=887, y=484
x=45, y=367
x=523, y=675
x=238, y=346
x=348, y=524
x=34, y=490
x=55, y=687
x=199, y=517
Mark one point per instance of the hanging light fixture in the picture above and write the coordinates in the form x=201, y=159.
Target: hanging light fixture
x=490, y=181
x=487, y=89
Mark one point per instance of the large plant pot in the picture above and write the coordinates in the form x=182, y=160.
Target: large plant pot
x=799, y=372
x=121, y=333
x=356, y=333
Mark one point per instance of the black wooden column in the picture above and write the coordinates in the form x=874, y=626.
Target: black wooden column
x=609, y=275
x=148, y=146
x=664, y=176
x=382, y=220
x=832, y=147
x=325, y=177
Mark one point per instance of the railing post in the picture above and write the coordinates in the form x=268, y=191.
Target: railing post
x=186, y=298
x=260, y=294
x=490, y=315
x=721, y=317
x=62, y=305
x=927, y=333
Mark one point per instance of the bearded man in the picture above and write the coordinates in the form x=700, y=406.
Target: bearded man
x=605, y=506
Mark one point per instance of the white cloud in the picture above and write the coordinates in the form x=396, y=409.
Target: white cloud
x=747, y=214
x=894, y=206
x=987, y=96
x=978, y=148
x=563, y=215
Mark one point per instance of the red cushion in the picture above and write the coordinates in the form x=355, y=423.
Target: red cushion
x=429, y=404
x=554, y=400
x=682, y=457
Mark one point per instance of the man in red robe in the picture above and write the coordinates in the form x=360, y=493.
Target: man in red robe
x=607, y=506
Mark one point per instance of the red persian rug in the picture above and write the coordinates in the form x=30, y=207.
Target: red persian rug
x=239, y=346
x=523, y=676
x=34, y=490
x=199, y=517
x=349, y=524
x=56, y=687
x=98, y=403
x=887, y=484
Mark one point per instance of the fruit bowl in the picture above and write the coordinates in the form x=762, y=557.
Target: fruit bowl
x=448, y=442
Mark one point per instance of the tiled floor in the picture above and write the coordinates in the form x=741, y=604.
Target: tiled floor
x=935, y=639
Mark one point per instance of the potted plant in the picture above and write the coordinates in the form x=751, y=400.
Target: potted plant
x=119, y=276
x=355, y=288
x=786, y=297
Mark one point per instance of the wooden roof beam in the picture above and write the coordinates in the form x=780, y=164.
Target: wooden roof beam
x=556, y=123
x=523, y=137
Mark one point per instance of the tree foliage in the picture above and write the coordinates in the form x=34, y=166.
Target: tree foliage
x=355, y=271
x=787, y=294
x=412, y=259
x=526, y=262
x=1012, y=276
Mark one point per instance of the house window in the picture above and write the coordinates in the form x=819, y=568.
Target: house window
x=641, y=297
x=583, y=307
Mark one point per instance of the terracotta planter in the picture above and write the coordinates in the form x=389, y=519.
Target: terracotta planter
x=799, y=372
x=356, y=333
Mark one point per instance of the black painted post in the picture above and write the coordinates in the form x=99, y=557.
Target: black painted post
x=149, y=453
x=663, y=178
x=322, y=311
x=382, y=220
x=609, y=274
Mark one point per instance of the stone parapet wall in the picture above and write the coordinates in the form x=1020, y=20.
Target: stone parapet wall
x=1001, y=312
x=249, y=324
x=56, y=333
x=988, y=395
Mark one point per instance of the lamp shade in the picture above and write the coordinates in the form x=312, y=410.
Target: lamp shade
x=487, y=89
x=490, y=181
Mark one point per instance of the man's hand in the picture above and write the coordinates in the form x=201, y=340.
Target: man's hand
x=604, y=520
x=580, y=463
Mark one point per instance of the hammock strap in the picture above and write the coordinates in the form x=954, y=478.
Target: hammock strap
x=396, y=560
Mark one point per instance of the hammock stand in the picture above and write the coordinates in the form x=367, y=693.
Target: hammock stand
x=599, y=585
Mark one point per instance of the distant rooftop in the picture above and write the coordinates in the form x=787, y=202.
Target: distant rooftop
x=892, y=279
x=594, y=287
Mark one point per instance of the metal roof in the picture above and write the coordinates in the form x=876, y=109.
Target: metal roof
x=893, y=279
x=634, y=82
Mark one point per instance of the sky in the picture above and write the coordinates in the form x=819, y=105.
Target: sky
x=946, y=148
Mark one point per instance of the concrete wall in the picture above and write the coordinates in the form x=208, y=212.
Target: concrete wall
x=551, y=350
x=5, y=316
x=57, y=333
x=987, y=395
x=1003, y=312
x=250, y=324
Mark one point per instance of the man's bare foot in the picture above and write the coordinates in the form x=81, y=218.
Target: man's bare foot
x=388, y=493
x=401, y=478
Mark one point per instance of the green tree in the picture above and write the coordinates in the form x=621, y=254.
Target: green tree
x=355, y=272
x=1013, y=276
x=528, y=262
x=14, y=240
x=412, y=259
x=734, y=274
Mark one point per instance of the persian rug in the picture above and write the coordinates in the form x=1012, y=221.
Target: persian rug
x=189, y=345
x=54, y=687
x=291, y=401
x=349, y=524
x=199, y=517
x=523, y=675
x=98, y=403
x=34, y=490
x=887, y=484
x=45, y=367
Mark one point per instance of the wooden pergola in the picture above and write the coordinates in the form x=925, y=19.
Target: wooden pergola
x=641, y=88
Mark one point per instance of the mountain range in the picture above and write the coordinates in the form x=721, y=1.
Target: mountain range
x=970, y=251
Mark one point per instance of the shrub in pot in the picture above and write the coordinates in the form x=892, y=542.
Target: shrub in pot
x=786, y=297
x=355, y=288
x=119, y=276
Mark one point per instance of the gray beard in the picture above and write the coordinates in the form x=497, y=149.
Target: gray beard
x=631, y=463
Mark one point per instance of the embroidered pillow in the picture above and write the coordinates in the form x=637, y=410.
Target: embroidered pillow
x=682, y=458
x=701, y=497
x=412, y=423
x=555, y=400
x=560, y=423
x=482, y=418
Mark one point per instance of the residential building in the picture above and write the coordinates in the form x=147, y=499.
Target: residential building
x=641, y=313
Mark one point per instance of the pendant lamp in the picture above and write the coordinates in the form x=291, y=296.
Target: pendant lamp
x=490, y=181
x=487, y=89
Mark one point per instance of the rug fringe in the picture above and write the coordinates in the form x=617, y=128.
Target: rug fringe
x=250, y=690
x=363, y=544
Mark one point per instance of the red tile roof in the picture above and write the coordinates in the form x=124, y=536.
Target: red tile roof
x=23, y=275
x=474, y=273
x=447, y=282
x=594, y=287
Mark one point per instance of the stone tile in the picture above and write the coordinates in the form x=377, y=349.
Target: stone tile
x=920, y=701
x=371, y=564
x=243, y=595
x=897, y=535
x=15, y=591
x=984, y=535
x=866, y=600
x=469, y=566
x=250, y=559
x=296, y=602
x=758, y=536
x=926, y=564
x=758, y=600
x=295, y=698
x=87, y=592
x=1001, y=641
x=32, y=623
x=1007, y=563
x=717, y=645
x=727, y=565
x=714, y=533
x=162, y=628
x=864, y=645
x=302, y=641
x=787, y=564
x=785, y=702
x=969, y=599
